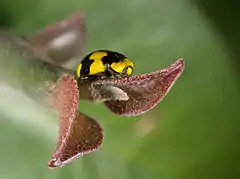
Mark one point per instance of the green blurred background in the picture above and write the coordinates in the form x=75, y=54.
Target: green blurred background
x=191, y=134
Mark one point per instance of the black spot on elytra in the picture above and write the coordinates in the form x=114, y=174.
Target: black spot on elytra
x=112, y=57
x=86, y=67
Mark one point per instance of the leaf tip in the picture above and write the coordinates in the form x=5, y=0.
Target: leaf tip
x=54, y=162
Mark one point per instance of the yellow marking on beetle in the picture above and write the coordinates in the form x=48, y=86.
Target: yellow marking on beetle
x=79, y=67
x=120, y=66
x=129, y=62
x=97, y=66
x=129, y=71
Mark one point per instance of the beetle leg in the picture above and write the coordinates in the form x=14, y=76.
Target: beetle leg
x=111, y=71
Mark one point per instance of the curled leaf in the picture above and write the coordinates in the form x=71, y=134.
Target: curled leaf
x=144, y=91
x=79, y=137
x=78, y=134
x=61, y=43
x=66, y=97
x=130, y=96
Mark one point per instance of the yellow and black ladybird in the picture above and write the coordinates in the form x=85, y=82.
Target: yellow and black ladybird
x=104, y=63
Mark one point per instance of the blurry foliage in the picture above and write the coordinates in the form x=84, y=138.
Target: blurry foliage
x=195, y=129
x=225, y=16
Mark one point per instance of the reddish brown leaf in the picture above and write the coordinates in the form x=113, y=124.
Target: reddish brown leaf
x=78, y=134
x=82, y=136
x=144, y=91
x=61, y=43
x=66, y=97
